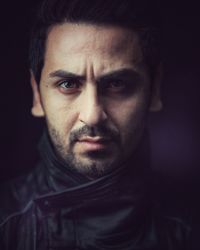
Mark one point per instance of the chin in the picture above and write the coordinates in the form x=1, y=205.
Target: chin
x=96, y=168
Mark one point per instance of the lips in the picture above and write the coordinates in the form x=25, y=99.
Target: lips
x=93, y=143
x=96, y=139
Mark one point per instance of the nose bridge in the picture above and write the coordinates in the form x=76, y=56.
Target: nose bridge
x=92, y=108
x=92, y=95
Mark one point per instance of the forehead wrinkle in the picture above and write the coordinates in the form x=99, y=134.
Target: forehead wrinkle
x=110, y=48
x=104, y=38
x=97, y=52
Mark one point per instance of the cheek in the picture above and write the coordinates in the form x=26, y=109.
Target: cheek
x=129, y=117
x=123, y=112
x=60, y=114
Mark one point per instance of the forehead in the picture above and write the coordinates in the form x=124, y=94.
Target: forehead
x=75, y=43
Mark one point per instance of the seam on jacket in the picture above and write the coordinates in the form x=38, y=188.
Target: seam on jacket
x=178, y=220
x=17, y=213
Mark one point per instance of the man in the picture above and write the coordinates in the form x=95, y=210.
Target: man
x=95, y=75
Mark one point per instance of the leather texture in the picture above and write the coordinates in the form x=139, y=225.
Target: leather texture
x=54, y=208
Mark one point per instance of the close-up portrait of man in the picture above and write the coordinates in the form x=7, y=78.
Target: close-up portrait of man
x=95, y=72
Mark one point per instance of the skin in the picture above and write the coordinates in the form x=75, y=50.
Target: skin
x=95, y=93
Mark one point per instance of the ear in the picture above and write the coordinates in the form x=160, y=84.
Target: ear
x=155, y=102
x=37, y=109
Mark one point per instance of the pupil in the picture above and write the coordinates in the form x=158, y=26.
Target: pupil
x=68, y=84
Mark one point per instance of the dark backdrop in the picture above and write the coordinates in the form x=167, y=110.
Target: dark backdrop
x=173, y=132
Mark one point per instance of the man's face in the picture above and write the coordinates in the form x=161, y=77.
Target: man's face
x=94, y=93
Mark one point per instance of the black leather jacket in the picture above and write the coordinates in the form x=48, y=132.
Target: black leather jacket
x=54, y=208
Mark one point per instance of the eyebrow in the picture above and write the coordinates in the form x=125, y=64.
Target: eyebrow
x=65, y=74
x=121, y=73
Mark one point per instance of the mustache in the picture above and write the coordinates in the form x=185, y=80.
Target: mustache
x=101, y=131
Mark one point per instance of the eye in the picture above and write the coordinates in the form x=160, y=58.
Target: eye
x=115, y=85
x=69, y=86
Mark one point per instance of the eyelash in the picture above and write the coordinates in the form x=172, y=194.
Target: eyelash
x=70, y=82
x=111, y=86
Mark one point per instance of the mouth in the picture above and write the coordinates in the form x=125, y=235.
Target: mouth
x=94, y=143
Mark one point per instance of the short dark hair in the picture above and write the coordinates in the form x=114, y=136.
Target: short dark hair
x=138, y=15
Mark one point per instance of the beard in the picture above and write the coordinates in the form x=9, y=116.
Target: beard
x=92, y=164
x=95, y=164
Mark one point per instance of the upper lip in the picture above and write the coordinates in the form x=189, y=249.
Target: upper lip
x=96, y=139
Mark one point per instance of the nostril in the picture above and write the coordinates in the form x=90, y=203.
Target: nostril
x=93, y=115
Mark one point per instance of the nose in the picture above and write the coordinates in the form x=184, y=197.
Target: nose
x=92, y=107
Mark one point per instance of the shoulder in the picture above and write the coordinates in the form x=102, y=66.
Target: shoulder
x=173, y=229
x=17, y=195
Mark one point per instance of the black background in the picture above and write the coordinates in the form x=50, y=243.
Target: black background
x=173, y=131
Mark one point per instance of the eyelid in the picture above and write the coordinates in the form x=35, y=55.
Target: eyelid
x=110, y=82
x=70, y=80
x=70, y=90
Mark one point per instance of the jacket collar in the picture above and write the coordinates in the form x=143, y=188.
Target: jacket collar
x=61, y=178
